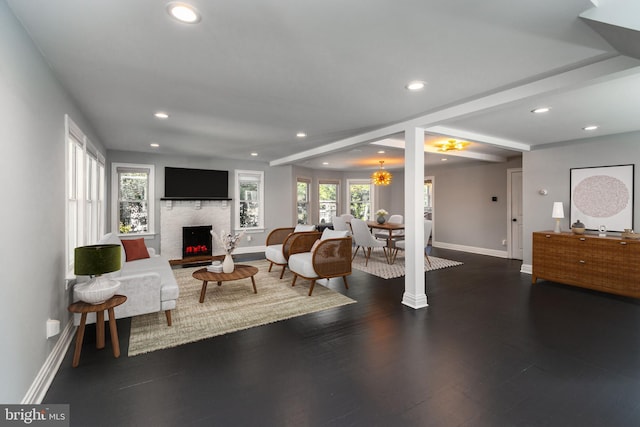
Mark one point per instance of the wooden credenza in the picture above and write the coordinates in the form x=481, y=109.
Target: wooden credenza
x=607, y=264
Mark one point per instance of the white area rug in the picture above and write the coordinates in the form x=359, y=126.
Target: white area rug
x=229, y=308
x=378, y=265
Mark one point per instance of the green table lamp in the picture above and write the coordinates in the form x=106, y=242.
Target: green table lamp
x=94, y=261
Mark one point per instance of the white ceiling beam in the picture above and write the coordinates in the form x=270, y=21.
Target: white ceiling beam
x=478, y=137
x=621, y=13
x=572, y=79
x=396, y=143
x=467, y=154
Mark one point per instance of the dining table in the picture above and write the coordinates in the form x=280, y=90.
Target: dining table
x=390, y=227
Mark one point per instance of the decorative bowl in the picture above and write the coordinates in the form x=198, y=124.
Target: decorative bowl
x=97, y=290
x=578, y=227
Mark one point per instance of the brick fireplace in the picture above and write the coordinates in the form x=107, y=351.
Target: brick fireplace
x=176, y=214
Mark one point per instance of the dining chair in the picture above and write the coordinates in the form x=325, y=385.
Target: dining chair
x=363, y=238
x=400, y=244
x=347, y=217
x=339, y=224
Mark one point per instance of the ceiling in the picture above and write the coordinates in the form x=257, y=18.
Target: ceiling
x=250, y=75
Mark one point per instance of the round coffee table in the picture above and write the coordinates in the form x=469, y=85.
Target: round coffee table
x=241, y=272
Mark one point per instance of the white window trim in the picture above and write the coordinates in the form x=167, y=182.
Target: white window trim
x=84, y=235
x=236, y=201
x=115, y=227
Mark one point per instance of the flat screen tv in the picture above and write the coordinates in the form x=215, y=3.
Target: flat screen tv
x=184, y=183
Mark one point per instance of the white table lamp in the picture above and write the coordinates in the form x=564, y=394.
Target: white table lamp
x=558, y=214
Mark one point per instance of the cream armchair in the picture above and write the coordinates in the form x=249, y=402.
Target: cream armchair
x=279, y=241
x=326, y=258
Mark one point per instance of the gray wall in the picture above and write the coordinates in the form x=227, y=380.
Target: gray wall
x=550, y=168
x=277, y=183
x=32, y=134
x=464, y=213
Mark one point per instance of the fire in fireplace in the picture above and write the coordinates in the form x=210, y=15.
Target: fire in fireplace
x=196, y=241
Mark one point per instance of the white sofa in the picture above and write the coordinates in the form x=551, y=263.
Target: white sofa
x=148, y=284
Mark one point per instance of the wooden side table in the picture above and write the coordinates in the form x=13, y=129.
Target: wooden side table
x=240, y=272
x=84, y=308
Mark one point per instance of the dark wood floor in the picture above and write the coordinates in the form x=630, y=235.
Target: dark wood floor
x=490, y=350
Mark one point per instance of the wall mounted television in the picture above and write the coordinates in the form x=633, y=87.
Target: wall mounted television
x=196, y=184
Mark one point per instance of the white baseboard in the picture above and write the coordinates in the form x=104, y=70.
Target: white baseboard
x=49, y=369
x=250, y=249
x=526, y=268
x=471, y=249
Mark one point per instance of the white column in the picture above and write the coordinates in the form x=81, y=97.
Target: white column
x=414, y=279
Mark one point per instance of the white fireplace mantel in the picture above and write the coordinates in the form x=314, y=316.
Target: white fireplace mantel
x=175, y=214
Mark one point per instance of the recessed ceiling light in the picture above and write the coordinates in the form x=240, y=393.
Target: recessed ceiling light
x=161, y=115
x=154, y=145
x=416, y=85
x=444, y=159
x=301, y=134
x=254, y=154
x=183, y=12
x=380, y=151
x=592, y=127
x=540, y=110
x=325, y=163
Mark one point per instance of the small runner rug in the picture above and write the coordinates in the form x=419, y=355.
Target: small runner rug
x=229, y=308
x=378, y=265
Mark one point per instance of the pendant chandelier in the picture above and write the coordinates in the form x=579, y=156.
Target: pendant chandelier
x=452, y=144
x=381, y=176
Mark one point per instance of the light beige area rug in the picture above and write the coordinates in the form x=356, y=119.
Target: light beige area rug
x=229, y=308
x=378, y=265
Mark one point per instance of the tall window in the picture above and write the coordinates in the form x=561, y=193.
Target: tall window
x=133, y=197
x=303, y=186
x=85, y=182
x=360, y=198
x=327, y=200
x=249, y=199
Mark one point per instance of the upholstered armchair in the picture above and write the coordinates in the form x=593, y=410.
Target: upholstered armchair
x=278, y=242
x=314, y=259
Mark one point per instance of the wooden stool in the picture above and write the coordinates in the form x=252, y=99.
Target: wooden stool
x=84, y=308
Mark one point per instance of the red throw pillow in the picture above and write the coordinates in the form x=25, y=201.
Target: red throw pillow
x=135, y=249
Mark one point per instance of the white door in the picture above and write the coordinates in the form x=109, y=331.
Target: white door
x=515, y=228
